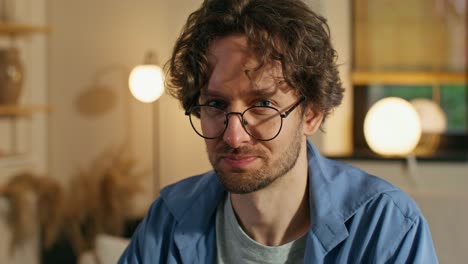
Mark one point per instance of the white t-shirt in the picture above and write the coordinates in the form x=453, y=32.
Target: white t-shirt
x=235, y=246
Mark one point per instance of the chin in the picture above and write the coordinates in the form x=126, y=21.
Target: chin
x=244, y=183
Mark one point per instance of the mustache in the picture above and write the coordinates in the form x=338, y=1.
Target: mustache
x=243, y=150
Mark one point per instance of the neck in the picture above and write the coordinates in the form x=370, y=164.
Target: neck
x=278, y=213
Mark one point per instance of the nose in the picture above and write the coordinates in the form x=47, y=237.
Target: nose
x=235, y=134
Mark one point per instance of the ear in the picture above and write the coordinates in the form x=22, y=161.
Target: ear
x=312, y=121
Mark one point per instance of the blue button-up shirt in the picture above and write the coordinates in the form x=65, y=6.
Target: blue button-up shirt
x=355, y=218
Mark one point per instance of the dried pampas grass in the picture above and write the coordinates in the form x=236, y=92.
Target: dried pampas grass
x=100, y=198
x=37, y=205
x=98, y=201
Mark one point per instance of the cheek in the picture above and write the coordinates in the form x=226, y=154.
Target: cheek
x=291, y=127
x=210, y=145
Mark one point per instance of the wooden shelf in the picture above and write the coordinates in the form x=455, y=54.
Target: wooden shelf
x=24, y=111
x=14, y=160
x=21, y=29
x=412, y=78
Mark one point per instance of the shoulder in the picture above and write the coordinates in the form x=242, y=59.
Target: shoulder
x=182, y=206
x=351, y=188
x=193, y=184
x=395, y=206
x=360, y=190
x=201, y=190
x=347, y=186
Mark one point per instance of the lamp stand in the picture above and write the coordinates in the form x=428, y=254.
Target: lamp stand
x=412, y=166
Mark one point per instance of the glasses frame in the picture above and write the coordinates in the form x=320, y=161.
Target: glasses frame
x=283, y=115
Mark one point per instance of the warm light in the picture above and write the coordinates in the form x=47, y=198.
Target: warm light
x=392, y=127
x=433, y=119
x=146, y=82
x=433, y=125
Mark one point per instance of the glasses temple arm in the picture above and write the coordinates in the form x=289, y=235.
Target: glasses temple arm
x=285, y=114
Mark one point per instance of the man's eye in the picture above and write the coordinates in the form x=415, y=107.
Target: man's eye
x=216, y=103
x=263, y=103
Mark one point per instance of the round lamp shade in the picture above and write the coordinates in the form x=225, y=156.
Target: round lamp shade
x=392, y=127
x=146, y=82
x=433, y=119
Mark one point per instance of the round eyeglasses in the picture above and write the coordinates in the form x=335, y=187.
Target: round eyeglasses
x=263, y=123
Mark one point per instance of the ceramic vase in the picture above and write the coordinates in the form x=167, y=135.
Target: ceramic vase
x=11, y=76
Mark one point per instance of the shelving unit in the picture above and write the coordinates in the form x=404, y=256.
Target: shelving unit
x=15, y=29
x=23, y=111
x=10, y=115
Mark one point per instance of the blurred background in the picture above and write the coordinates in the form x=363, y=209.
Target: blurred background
x=81, y=158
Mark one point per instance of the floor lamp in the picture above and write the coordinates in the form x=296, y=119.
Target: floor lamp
x=146, y=83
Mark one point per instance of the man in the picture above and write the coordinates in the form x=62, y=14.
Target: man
x=256, y=78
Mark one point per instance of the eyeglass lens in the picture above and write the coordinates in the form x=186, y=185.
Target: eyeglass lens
x=262, y=123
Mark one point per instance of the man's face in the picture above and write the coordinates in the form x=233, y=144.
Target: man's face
x=243, y=163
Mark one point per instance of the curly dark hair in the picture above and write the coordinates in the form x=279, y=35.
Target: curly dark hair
x=284, y=30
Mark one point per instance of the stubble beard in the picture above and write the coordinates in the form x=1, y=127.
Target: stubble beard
x=242, y=181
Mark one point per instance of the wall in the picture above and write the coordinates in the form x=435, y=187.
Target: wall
x=93, y=46
x=336, y=141
x=182, y=152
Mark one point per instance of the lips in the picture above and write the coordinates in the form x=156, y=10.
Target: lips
x=238, y=161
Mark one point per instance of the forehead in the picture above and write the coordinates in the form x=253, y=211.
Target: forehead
x=235, y=66
x=231, y=50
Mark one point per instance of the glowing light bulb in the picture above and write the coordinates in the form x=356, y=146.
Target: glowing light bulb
x=392, y=127
x=146, y=82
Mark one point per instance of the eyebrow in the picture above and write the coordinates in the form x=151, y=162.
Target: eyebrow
x=266, y=92
x=205, y=92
